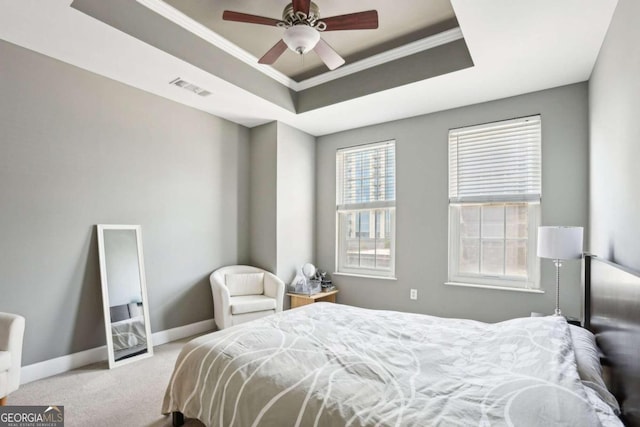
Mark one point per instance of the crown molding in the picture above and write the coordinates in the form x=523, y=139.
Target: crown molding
x=177, y=17
x=384, y=57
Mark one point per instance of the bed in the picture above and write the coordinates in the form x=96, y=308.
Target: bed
x=129, y=337
x=333, y=365
x=127, y=330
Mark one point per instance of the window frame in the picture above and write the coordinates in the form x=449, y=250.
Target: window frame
x=533, y=202
x=371, y=207
x=341, y=253
x=532, y=281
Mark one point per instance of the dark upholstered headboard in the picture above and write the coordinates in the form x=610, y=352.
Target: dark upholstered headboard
x=612, y=313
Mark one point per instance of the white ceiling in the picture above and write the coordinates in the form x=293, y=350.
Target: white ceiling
x=517, y=47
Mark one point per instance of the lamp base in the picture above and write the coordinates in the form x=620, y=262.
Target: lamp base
x=558, y=264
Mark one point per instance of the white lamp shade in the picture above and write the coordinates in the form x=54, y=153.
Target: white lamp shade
x=560, y=242
x=301, y=38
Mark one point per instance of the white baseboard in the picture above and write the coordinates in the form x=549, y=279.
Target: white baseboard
x=61, y=364
x=168, y=335
x=66, y=363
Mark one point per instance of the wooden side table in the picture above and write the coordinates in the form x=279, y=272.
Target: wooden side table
x=298, y=300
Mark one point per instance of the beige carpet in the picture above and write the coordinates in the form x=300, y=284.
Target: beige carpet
x=130, y=395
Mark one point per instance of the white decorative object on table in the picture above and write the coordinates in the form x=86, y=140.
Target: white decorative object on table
x=305, y=281
x=309, y=270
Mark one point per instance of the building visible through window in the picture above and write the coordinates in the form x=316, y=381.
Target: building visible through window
x=365, y=202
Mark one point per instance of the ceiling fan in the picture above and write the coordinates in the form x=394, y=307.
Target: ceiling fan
x=303, y=25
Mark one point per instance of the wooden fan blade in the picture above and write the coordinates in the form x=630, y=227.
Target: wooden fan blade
x=274, y=53
x=329, y=56
x=353, y=21
x=228, y=15
x=302, y=6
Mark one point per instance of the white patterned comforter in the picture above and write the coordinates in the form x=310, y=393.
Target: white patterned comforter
x=333, y=365
x=128, y=333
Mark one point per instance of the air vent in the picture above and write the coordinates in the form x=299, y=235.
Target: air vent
x=190, y=87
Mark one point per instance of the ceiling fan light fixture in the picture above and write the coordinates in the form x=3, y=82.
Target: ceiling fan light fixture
x=301, y=38
x=302, y=26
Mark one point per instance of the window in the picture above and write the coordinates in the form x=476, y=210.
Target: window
x=494, y=203
x=365, y=204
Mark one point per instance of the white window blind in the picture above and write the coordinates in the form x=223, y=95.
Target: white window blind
x=496, y=162
x=367, y=177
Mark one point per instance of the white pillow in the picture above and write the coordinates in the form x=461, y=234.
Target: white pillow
x=135, y=310
x=587, y=354
x=588, y=363
x=245, y=284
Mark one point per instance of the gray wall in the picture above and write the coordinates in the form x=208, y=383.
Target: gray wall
x=296, y=198
x=614, y=106
x=79, y=150
x=422, y=206
x=263, y=243
x=282, y=199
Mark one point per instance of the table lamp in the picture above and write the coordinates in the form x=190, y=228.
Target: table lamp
x=559, y=243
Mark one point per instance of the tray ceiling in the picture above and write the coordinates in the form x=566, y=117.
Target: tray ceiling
x=515, y=48
x=399, y=23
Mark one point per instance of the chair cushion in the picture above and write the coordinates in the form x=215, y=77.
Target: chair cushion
x=5, y=360
x=245, y=284
x=250, y=303
x=237, y=319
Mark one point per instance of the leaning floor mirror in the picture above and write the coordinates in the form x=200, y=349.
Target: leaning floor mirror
x=124, y=294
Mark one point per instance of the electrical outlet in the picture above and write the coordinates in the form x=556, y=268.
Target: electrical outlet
x=413, y=294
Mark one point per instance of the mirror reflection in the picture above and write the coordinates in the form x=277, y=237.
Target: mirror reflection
x=124, y=293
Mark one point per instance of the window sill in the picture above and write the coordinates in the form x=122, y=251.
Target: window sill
x=364, y=276
x=499, y=288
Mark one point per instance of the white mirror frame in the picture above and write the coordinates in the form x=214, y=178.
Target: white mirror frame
x=105, y=294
